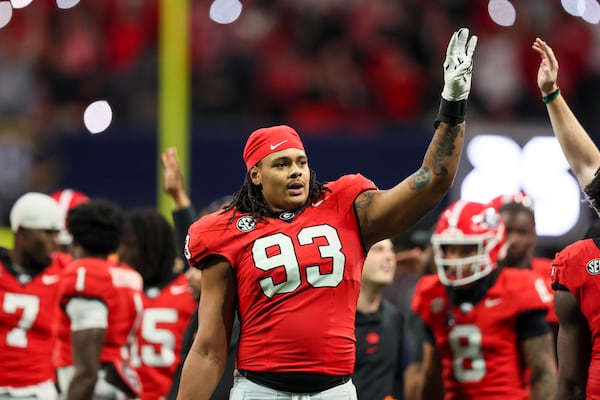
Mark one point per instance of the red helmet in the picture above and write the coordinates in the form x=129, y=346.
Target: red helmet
x=466, y=223
x=68, y=199
x=519, y=197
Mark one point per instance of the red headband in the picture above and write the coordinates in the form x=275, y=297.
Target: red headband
x=265, y=141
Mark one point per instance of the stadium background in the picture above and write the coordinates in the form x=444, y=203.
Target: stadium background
x=360, y=80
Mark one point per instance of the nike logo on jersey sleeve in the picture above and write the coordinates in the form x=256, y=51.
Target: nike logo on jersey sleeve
x=50, y=279
x=492, y=302
x=176, y=290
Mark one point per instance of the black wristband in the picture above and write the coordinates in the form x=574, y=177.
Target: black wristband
x=451, y=112
x=551, y=97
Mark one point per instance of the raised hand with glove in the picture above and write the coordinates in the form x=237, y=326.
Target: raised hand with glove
x=458, y=67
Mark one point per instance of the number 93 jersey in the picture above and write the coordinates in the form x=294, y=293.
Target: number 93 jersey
x=480, y=347
x=298, y=279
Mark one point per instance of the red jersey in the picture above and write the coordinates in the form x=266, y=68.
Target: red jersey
x=119, y=288
x=479, y=348
x=543, y=267
x=577, y=267
x=167, y=313
x=27, y=312
x=298, y=280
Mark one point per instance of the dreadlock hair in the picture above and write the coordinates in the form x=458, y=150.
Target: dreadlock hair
x=151, y=242
x=96, y=226
x=249, y=198
x=592, y=191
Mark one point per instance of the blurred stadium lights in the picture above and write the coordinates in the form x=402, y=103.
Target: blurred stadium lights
x=225, y=11
x=591, y=12
x=573, y=7
x=20, y=3
x=97, y=116
x=64, y=4
x=502, y=12
x=588, y=10
x=5, y=13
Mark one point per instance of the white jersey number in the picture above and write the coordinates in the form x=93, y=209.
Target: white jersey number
x=13, y=302
x=287, y=259
x=468, y=363
x=160, y=338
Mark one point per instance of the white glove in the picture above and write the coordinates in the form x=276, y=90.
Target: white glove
x=458, y=66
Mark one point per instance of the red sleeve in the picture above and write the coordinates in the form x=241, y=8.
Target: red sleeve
x=428, y=298
x=574, y=264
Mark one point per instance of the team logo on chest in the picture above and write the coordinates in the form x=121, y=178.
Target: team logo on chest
x=246, y=224
x=287, y=216
x=593, y=266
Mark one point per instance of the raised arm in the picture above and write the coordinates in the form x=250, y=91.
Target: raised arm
x=173, y=179
x=580, y=151
x=386, y=213
x=183, y=213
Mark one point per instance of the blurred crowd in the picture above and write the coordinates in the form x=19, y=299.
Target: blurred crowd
x=317, y=64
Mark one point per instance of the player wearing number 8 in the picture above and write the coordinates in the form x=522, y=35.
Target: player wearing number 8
x=486, y=331
x=289, y=250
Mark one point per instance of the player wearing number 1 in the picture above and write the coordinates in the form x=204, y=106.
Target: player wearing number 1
x=487, y=334
x=288, y=252
x=100, y=307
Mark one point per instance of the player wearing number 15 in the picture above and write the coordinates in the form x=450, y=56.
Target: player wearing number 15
x=29, y=280
x=148, y=245
x=488, y=337
x=289, y=250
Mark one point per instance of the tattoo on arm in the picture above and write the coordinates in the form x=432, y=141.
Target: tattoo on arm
x=539, y=358
x=420, y=179
x=445, y=148
x=364, y=200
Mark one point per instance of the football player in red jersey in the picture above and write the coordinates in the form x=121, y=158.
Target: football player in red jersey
x=486, y=325
x=575, y=268
x=67, y=199
x=148, y=245
x=100, y=309
x=29, y=279
x=519, y=218
x=289, y=250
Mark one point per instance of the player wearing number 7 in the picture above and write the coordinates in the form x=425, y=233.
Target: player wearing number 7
x=288, y=252
x=486, y=331
x=29, y=282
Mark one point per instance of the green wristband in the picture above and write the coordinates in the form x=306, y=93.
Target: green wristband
x=551, y=96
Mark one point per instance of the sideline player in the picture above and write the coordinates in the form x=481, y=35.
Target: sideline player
x=486, y=325
x=29, y=282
